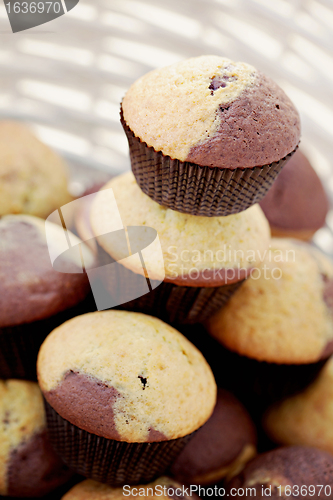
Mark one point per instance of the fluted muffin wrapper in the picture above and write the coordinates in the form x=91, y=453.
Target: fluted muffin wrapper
x=172, y=303
x=108, y=461
x=19, y=344
x=198, y=190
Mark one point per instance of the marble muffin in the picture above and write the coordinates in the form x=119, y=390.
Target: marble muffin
x=29, y=467
x=278, y=327
x=203, y=122
x=33, y=178
x=282, y=473
x=125, y=377
x=296, y=205
x=163, y=488
x=35, y=297
x=221, y=448
x=209, y=254
x=307, y=417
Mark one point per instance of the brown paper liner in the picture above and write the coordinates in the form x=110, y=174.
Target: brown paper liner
x=192, y=189
x=108, y=461
x=172, y=303
x=19, y=344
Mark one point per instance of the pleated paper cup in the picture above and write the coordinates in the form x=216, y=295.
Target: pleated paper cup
x=108, y=461
x=198, y=190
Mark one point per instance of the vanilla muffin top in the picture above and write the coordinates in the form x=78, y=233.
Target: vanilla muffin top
x=283, y=312
x=193, y=247
x=33, y=178
x=126, y=376
x=159, y=489
x=21, y=416
x=306, y=418
x=30, y=288
x=212, y=111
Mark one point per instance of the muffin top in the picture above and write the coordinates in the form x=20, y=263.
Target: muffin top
x=33, y=178
x=283, y=312
x=163, y=488
x=221, y=447
x=126, y=376
x=297, y=199
x=28, y=465
x=293, y=466
x=213, y=112
x=306, y=418
x=30, y=289
x=197, y=251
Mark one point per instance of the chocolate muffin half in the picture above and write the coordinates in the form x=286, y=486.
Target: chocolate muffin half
x=221, y=448
x=124, y=394
x=201, y=261
x=208, y=136
x=34, y=297
x=291, y=472
x=29, y=467
x=277, y=328
x=296, y=205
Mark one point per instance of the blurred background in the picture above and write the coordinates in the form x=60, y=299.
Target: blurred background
x=66, y=78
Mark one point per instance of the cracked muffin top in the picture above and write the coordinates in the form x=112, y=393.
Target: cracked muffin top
x=283, y=312
x=33, y=178
x=28, y=464
x=126, y=376
x=213, y=112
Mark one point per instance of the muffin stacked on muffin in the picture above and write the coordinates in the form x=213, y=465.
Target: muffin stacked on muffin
x=203, y=260
x=208, y=136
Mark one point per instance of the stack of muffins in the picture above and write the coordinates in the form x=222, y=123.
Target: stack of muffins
x=222, y=322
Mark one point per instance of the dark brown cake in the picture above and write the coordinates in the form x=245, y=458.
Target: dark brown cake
x=296, y=205
x=289, y=468
x=221, y=447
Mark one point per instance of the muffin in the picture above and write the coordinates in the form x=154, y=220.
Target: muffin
x=307, y=417
x=34, y=297
x=33, y=178
x=291, y=472
x=164, y=488
x=124, y=394
x=29, y=467
x=208, y=136
x=198, y=262
x=278, y=327
x=296, y=205
x=221, y=447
